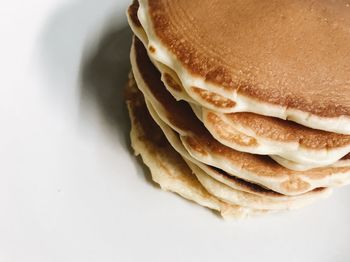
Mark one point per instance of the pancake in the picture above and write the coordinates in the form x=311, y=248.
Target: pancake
x=244, y=186
x=252, y=133
x=167, y=167
x=286, y=59
x=230, y=194
x=204, y=148
x=344, y=162
x=257, y=134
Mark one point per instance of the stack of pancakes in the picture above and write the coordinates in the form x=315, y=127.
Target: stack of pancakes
x=242, y=106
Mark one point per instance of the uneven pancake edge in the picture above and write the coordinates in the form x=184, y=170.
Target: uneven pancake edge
x=172, y=174
x=234, y=196
x=284, y=182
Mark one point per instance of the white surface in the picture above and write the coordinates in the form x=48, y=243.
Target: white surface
x=70, y=190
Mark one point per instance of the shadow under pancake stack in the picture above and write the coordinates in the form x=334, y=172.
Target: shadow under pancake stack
x=242, y=107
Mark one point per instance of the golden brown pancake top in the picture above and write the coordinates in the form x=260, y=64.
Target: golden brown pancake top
x=292, y=53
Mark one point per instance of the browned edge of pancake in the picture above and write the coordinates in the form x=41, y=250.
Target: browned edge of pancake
x=251, y=186
x=287, y=131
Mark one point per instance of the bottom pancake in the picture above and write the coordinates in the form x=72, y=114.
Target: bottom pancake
x=167, y=167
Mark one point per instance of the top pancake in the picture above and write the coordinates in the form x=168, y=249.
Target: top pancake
x=254, y=133
x=289, y=59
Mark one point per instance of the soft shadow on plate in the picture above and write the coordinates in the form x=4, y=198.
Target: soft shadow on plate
x=104, y=73
x=84, y=50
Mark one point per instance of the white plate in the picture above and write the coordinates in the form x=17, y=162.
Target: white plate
x=70, y=188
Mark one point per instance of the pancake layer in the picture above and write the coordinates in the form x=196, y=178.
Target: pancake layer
x=263, y=59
